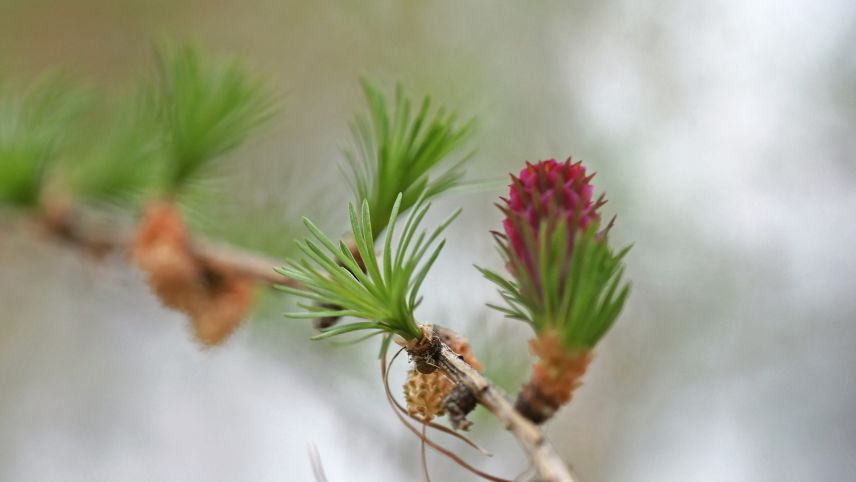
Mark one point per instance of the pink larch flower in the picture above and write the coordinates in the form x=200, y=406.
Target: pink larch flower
x=551, y=192
x=567, y=281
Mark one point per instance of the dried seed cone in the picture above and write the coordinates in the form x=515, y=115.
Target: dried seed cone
x=426, y=388
x=425, y=392
x=215, y=299
x=556, y=374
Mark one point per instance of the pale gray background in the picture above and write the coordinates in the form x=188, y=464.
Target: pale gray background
x=722, y=131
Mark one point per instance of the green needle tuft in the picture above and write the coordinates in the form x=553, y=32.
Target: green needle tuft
x=386, y=293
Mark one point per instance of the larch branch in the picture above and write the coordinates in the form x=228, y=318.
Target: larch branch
x=550, y=467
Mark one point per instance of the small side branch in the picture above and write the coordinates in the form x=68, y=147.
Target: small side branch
x=257, y=267
x=72, y=230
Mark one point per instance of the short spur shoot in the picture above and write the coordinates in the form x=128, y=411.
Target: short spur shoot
x=387, y=293
x=566, y=281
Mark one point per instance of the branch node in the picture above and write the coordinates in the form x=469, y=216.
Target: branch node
x=425, y=353
x=458, y=404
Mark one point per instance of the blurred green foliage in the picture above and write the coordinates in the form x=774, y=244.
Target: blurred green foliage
x=36, y=124
x=206, y=107
x=122, y=163
x=157, y=142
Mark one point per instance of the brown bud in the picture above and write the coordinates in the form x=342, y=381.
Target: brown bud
x=216, y=299
x=556, y=374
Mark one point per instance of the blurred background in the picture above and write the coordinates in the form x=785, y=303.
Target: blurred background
x=723, y=133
